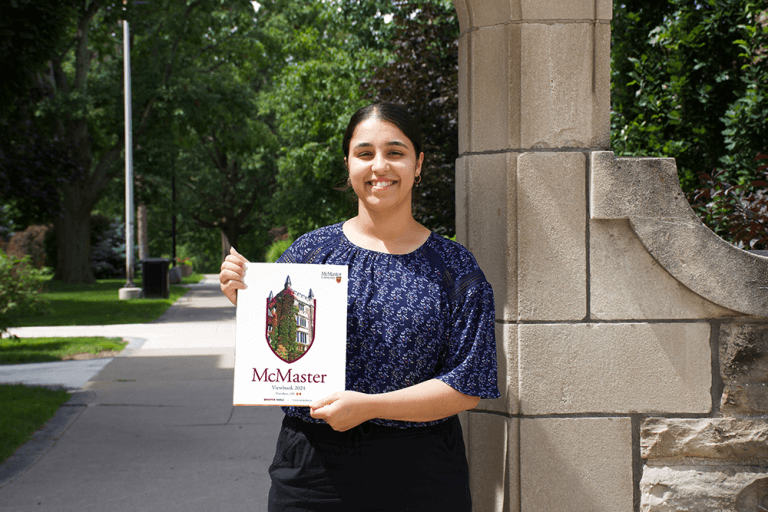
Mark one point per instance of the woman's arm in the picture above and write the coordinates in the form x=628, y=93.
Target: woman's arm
x=427, y=401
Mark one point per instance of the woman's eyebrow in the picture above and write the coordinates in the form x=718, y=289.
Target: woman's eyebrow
x=391, y=143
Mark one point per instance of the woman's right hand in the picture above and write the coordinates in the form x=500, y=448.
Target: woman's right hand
x=231, y=275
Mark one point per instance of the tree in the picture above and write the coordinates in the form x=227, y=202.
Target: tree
x=30, y=31
x=422, y=73
x=210, y=137
x=327, y=48
x=83, y=99
x=689, y=81
x=227, y=176
x=32, y=163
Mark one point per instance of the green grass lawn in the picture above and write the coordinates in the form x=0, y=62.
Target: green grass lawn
x=42, y=350
x=25, y=409
x=98, y=304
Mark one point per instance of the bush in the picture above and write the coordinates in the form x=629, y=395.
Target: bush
x=6, y=227
x=276, y=249
x=30, y=242
x=20, y=286
x=736, y=212
x=107, y=247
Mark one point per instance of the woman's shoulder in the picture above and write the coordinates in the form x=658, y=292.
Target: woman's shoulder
x=456, y=263
x=306, y=244
x=454, y=255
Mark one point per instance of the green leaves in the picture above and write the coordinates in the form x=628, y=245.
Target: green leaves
x=326, y=50
x=689, y=82
x=20, y=285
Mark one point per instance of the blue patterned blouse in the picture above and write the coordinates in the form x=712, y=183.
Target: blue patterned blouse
x=410, y=317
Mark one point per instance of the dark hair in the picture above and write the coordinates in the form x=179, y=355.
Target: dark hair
x=389, y=112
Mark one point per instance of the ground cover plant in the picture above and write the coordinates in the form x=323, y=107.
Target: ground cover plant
x=19, y=290
x=25, y=409
x=98, y=304
x=41, y=350
x=736, y=212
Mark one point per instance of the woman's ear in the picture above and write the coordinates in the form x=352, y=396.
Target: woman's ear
x=419, y=161
x=346, y=164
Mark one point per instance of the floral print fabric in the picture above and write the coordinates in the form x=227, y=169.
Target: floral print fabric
x=410, y=317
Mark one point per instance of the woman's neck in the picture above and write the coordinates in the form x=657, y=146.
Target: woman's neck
x=386, y=234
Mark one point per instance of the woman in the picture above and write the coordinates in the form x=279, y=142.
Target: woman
x=420, y=345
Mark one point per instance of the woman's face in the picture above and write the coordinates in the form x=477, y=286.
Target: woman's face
x=382, y=165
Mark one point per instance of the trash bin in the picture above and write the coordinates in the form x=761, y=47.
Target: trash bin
x=154, y=278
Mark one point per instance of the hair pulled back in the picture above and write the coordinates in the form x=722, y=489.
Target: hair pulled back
x=389, y=112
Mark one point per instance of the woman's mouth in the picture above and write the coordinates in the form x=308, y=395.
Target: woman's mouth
x=381, y=184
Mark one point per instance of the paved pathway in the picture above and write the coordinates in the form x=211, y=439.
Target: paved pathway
x=153, y=429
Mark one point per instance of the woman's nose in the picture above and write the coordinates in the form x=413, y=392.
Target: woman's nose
x=379, y=163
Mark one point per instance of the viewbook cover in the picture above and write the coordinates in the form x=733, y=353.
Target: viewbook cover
x=290, y=346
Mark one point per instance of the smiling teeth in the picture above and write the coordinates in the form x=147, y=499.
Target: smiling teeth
x=381, y=183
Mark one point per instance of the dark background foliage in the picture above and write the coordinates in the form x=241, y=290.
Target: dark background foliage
x=423, y=74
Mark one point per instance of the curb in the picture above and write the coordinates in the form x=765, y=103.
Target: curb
x=44, y=439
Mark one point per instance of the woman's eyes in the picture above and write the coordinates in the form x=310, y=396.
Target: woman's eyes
x=365, y=154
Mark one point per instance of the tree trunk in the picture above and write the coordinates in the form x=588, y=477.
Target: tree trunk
x=224, y=245
x=73, y=236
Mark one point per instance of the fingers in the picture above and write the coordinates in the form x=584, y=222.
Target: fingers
x=319, y=404
x=342, y=410
x=232, y=274
x=233, y=252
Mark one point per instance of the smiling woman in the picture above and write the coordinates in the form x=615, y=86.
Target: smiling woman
x=420, y=345
x=383, y=166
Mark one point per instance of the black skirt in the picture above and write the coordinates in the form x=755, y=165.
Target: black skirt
x=369, y=468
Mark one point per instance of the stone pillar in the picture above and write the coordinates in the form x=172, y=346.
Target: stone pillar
x=632, y=341
x=534, y=102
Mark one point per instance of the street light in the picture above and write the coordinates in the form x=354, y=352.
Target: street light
x=129, y=291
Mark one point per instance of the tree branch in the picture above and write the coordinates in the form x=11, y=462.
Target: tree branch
x=99, y=177
x=168, y=69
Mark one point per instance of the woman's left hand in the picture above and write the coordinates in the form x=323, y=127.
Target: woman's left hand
x=342, y=410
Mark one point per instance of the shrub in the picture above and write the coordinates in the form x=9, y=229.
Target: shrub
x=276, y=249
x=30, y=242
x=107, y=247
x=20, y=286
x=6, y=227
x=736, y=212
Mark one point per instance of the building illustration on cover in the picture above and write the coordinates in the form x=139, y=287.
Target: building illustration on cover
x=290, y=322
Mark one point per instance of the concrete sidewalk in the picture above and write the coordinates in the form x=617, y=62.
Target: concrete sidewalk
x=153, y=429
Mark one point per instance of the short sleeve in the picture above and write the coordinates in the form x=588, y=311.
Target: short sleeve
x=289, y=256
x=471, y=364
x=294, y=253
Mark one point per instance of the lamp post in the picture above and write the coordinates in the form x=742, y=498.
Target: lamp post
x=129, y=291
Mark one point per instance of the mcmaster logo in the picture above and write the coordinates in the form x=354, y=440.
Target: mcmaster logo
x=331, y=275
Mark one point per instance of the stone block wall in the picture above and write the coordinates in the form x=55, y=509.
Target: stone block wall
x=628, y=335
x=720, y=461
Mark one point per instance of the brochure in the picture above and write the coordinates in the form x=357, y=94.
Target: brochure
x=291, y=337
